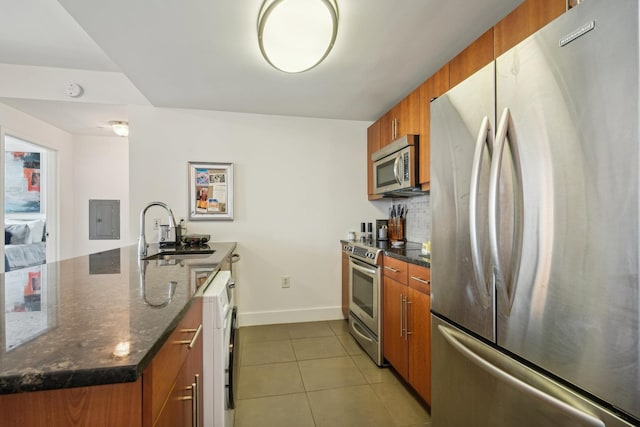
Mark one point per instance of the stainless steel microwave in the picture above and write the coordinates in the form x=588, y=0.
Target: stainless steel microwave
x=395, y=168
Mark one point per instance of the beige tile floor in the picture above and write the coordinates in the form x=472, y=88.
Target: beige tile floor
x=315, y=374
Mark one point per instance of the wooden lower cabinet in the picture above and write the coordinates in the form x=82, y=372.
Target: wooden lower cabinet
x=395, y=345
x=102, y=405
x=407, y=323
x=172, y=388
x=162, y=397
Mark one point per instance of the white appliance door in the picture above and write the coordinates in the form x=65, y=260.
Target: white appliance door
x=572, y=304
x=462, y=131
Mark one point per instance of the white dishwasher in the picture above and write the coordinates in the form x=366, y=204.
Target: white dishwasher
x=219, y=350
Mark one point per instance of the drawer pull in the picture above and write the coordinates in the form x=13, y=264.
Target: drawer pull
x=193, y=340
x=426, y=282
x=392, y=269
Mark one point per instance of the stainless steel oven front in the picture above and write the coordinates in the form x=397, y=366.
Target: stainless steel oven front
x=365, y=314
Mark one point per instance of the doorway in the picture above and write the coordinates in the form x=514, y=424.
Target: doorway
x=30, y=203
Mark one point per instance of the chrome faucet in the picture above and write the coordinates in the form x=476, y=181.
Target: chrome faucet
x=142, y=241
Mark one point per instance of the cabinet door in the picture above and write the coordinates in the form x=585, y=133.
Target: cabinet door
x=387, y=126
x=525, y=20
x=474, y=57
x=432, y=88
x=159, y=378
x=185, y=401
x=395, y=344
x=420, y=343
x=373, y=145
x=408, y=115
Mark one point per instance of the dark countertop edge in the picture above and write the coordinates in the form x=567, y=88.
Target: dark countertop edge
x=69, y=379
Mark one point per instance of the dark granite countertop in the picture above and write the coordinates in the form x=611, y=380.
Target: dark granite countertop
x=62, y=321
x=411, y=252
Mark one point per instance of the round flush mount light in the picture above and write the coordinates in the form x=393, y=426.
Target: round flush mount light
x=120, y=128
x=296, y=35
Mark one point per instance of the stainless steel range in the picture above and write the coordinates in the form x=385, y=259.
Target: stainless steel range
x=365, y=296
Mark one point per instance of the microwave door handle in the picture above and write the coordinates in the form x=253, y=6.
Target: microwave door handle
x=396, y=169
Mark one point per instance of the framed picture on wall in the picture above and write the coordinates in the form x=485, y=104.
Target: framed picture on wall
x=210, y=191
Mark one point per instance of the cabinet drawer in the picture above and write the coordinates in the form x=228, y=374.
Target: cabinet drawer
x=420, y=278
x=159, y=377
x=395, y=269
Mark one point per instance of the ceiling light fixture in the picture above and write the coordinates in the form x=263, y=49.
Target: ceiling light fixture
x=296, y=35
x=120, y=128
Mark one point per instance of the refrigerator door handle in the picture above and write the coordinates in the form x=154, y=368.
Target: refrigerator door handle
x=504, y=133
x=485, y=137
x=584, y=418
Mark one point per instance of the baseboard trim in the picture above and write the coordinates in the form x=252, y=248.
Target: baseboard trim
x=289, y=316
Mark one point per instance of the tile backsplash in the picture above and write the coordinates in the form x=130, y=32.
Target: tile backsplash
x=418, y=223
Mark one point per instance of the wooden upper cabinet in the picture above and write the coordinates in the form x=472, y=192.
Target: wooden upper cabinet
x=525, y=20
x=408, y=121
x=474, y=57
x=433, y=87
x=373, y=145
x=402, y=119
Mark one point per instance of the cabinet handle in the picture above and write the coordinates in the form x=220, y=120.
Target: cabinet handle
x=406, y=320
x=391, y=269
x=401, y=314
x=195, y=407
x=426, y=282
x=193, y=340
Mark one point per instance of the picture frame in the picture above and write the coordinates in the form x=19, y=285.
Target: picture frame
x=210, y=191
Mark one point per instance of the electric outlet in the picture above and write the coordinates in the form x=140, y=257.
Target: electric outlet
x=156, y=223
x=286, y=281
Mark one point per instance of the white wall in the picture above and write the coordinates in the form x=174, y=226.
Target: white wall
x=300, y=185
x=25, y=127
x=100, y=171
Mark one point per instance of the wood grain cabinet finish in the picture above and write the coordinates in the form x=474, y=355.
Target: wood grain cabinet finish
x=168, y=378
x=102, y=405
x=474, y=57
x=525, y=20
x=407, y=323
x=373, y=145
x=420, y=330
x=402, y=119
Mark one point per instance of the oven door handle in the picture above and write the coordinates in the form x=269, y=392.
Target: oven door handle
x=360, y=266
x=357, y=330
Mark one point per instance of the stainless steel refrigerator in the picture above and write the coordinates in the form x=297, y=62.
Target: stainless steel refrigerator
x=535, y=230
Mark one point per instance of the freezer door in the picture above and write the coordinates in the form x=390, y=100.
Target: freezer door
x=571, y=108
x=475, y=385
x=461, y=144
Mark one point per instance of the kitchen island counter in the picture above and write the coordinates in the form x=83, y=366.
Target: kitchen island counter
x=95, y=319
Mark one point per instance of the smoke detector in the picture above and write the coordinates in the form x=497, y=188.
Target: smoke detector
x=74, y=90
